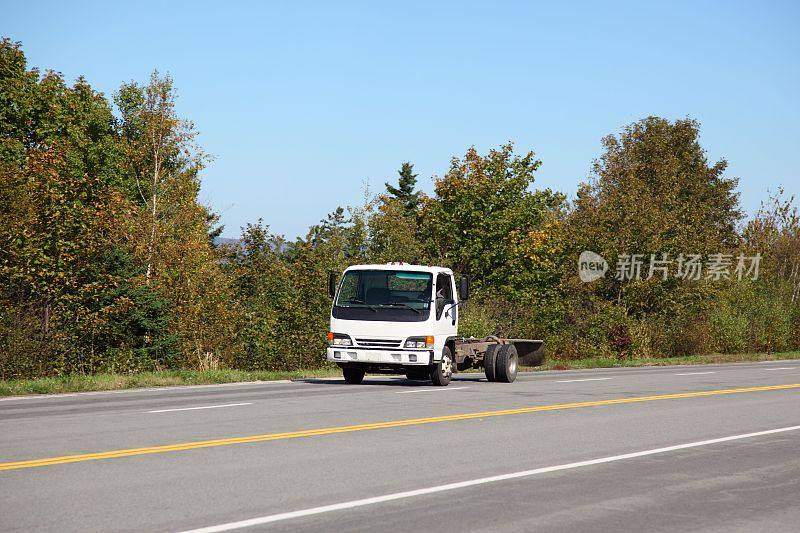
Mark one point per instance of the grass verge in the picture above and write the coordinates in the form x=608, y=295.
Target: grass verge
x=167, y=378
x=602, y=362
x=101, y=382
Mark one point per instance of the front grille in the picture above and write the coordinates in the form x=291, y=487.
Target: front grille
x=379, y=343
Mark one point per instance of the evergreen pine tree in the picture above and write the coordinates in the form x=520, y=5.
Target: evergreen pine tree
x=405, y=189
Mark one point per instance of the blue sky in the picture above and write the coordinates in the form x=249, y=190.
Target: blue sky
x=301, y=102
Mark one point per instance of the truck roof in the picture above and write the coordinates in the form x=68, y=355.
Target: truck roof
x=402, y=266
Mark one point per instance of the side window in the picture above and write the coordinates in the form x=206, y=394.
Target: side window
x=349, y=288
x=444, y=293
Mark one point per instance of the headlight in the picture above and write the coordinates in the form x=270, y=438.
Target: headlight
x=419, y=342
x=339, y=339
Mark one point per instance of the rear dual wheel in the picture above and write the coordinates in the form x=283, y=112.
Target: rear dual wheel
x=489, y=359
x=501, y=362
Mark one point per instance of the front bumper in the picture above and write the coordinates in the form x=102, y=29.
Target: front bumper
x=349, y=354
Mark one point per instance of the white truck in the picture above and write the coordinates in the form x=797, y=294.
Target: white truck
x=403, y=319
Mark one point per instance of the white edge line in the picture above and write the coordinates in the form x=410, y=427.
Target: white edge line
x=429, y=390
x=586, y=379
x=166, y=388
x=471, y=483
x=200, y=407
x=694, y=373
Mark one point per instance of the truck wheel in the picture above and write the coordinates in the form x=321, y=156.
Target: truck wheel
x=417, y=375
x=354, y=376
x=489, y=362
x=506, y=364
x=442, y=371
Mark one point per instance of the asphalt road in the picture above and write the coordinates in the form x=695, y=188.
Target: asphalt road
x=707, y=448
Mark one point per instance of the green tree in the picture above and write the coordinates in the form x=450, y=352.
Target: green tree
x=486, y=222
x=343, y=233
x=264, y=290
x=173, y=231
x=774, y=234
x=329, y=228
x=404, y=192
x=160, y=151
x=394, y=234
x=764, y=314
x=653, y=191
x=283, y=298
x=61, y=210
x=38, y=111
x=57, y=233
x=215, y=229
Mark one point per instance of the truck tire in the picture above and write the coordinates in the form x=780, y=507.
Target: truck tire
x=442, y=372
x=354, y=376
x=507, y=363
x=489, y=362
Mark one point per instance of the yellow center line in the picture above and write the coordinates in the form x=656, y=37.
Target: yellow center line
x=34, y=463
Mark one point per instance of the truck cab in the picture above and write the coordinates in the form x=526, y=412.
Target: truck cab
x=395, y=318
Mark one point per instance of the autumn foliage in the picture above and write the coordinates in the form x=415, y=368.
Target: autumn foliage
x=108, y=262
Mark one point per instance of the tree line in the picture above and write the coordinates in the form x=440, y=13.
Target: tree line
x=109, y=263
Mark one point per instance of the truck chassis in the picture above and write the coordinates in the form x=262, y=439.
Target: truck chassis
x=472, y=353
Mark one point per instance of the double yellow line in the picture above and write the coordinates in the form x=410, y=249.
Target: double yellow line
x=48, y=461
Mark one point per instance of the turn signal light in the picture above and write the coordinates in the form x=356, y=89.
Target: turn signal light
x=339, y=339
x=419, y=342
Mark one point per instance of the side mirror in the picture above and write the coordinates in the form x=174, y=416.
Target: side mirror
x=331, y=284
x=463, y=288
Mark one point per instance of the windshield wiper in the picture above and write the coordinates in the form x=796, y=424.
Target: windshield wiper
x=402, y=304
x=362, y=302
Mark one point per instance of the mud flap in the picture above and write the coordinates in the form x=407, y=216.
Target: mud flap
x=530, y=352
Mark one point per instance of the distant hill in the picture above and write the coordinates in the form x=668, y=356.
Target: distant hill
x=225, y=241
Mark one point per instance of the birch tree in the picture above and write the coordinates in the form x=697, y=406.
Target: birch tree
x=159, y=149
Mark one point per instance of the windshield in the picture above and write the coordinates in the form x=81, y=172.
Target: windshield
x=380, y=289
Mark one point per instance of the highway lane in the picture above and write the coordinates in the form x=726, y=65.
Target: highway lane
x=223, y=484
x=56, y=425
x=746, y=486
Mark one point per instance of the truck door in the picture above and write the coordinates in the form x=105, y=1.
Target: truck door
x=445, y=309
